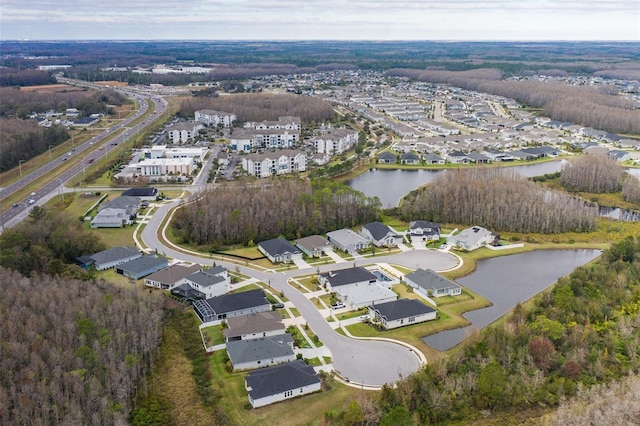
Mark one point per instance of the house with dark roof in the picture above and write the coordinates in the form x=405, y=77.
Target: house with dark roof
x=387, y=158
x=171, y=276
x=401, y=312
x=313, y=245
x=280, y=382
x=433, y=159
x=477, y=158
x=431, y=284
x=457, y=157
x=260, y=352
x=427, y=231
x=142, y=266
x=218, y=308
x=279, y=250
x=472, y=238
x=409, y=158
x=253, y=326
x=112, y=257
x=619, y=155
x=350, y=276
x=356, y=287
x=347, y=240
x=380, y=235
x=210, y=282
x=144, y=193
x=117, y=213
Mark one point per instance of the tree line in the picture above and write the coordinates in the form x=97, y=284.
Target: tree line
x=256, y=211
x=583, y=332
x=581, y=105
x=25, y=77
x=73, y=352
x=259, y=107
x=498, y=199
x=592, y=173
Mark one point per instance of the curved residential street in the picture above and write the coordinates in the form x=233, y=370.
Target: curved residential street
x=367, y=362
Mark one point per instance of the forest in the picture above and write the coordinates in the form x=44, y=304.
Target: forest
x=592, y=173
x=24, y=139
x=577, y=104
x=585, y=331
x=256, y=211
x=259, y=107
x=72, y=351
x=498, y=199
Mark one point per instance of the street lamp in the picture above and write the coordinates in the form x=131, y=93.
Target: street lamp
x=49, y=152
x=20, y=166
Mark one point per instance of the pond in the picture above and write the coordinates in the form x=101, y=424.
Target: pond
x=391, y=185
x=507, y=281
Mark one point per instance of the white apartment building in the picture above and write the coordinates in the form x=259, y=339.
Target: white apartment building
x=183, y=132
x=274, y=163
x=213, y=118
x=246, y=140
x=335, y=141
x=161, y=151
x=166, y=167
x=283, y=123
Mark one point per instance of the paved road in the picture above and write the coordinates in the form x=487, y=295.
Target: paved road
x=372, y=363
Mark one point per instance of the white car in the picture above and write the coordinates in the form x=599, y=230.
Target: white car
x=31, y=201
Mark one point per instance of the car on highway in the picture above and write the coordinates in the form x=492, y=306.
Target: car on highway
x=90, y=160
x=31, y=201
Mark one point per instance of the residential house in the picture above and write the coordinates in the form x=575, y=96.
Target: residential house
x=253, y=326
x=113, y=257
x=171, y=276
x=457, y=157
x=433, y=159
x=213, y=118
x=143, y=193
x=142, y=266
x=619, y=155
x=280, y=382
x=472, y=238
x=313, y=245
x=387, y=158
x=347, y=240
x=210, y=282
x=380, y=235
x=219, y=308
x=260, y=352
x=427, y=231
x=409, y=158
x=119, y=212
x=356, y=287
x=402, y=312
x=279, y=250
x=477, y=158
x=431, y=284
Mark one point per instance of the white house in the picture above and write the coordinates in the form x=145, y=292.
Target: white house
x=427, y=231
x=213, y=311
x=471, y=238
x=210, y=282
x=278, y=383
x=260, y=352
x=431, y=284
x=279, y=250
x=214, y=118
x=170, y=277
x=347, y=240
x=380, y=235
x=253, y=326
x=402, y=312
x=356, y=287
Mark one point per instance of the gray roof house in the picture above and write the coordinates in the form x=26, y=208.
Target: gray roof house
x=433, y=159
x=170, y=277
x=387, y=158
x=142, y=266
x=357, y=275
x=273, y=384
x=116, y=213
x=210, y=282
x=279, y=250
x=356, y=287
x=253, y=326
x=218, y=308
x=144, y=193
x=457, y=157
x=429, y=283
x=409, y=158
x=472, y=238
x=380, y=235
x=619, y=155
x=347, y=240
x=476, y=157
x=426, y=230
x=313, y=245
x=114, y=256
x=260, y=352
x=402, y=312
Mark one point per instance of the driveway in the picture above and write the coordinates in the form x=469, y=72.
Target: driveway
x=365, y=362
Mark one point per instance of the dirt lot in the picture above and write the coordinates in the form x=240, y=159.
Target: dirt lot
x=52, y=88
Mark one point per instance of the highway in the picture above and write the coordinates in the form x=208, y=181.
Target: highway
x=82, y=156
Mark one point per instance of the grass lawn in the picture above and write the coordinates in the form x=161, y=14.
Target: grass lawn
x=295, y=312
x=114, y=236
x=212, y=335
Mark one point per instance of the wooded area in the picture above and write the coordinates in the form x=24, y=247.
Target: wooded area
x=255, y=211
x=259, y=107
x=581, y=105
x=498, y=199
x=592, y=173
x=24, y=139
x=583, y=332
x=72, y=352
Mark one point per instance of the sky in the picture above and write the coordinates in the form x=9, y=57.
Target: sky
x=320, y=20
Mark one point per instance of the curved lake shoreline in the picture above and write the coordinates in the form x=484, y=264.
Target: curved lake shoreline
x=507, y=281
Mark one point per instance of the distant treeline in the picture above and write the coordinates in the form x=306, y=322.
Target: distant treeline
x=577, y=104
x=258, y=107
x=592, y=173
x=266, y=209
x=498, y=199
x=25, y=77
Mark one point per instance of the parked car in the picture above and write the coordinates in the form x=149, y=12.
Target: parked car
x=338, y=305
x=278, y=305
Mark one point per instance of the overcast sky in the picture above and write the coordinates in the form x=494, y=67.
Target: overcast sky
x=320, y=19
